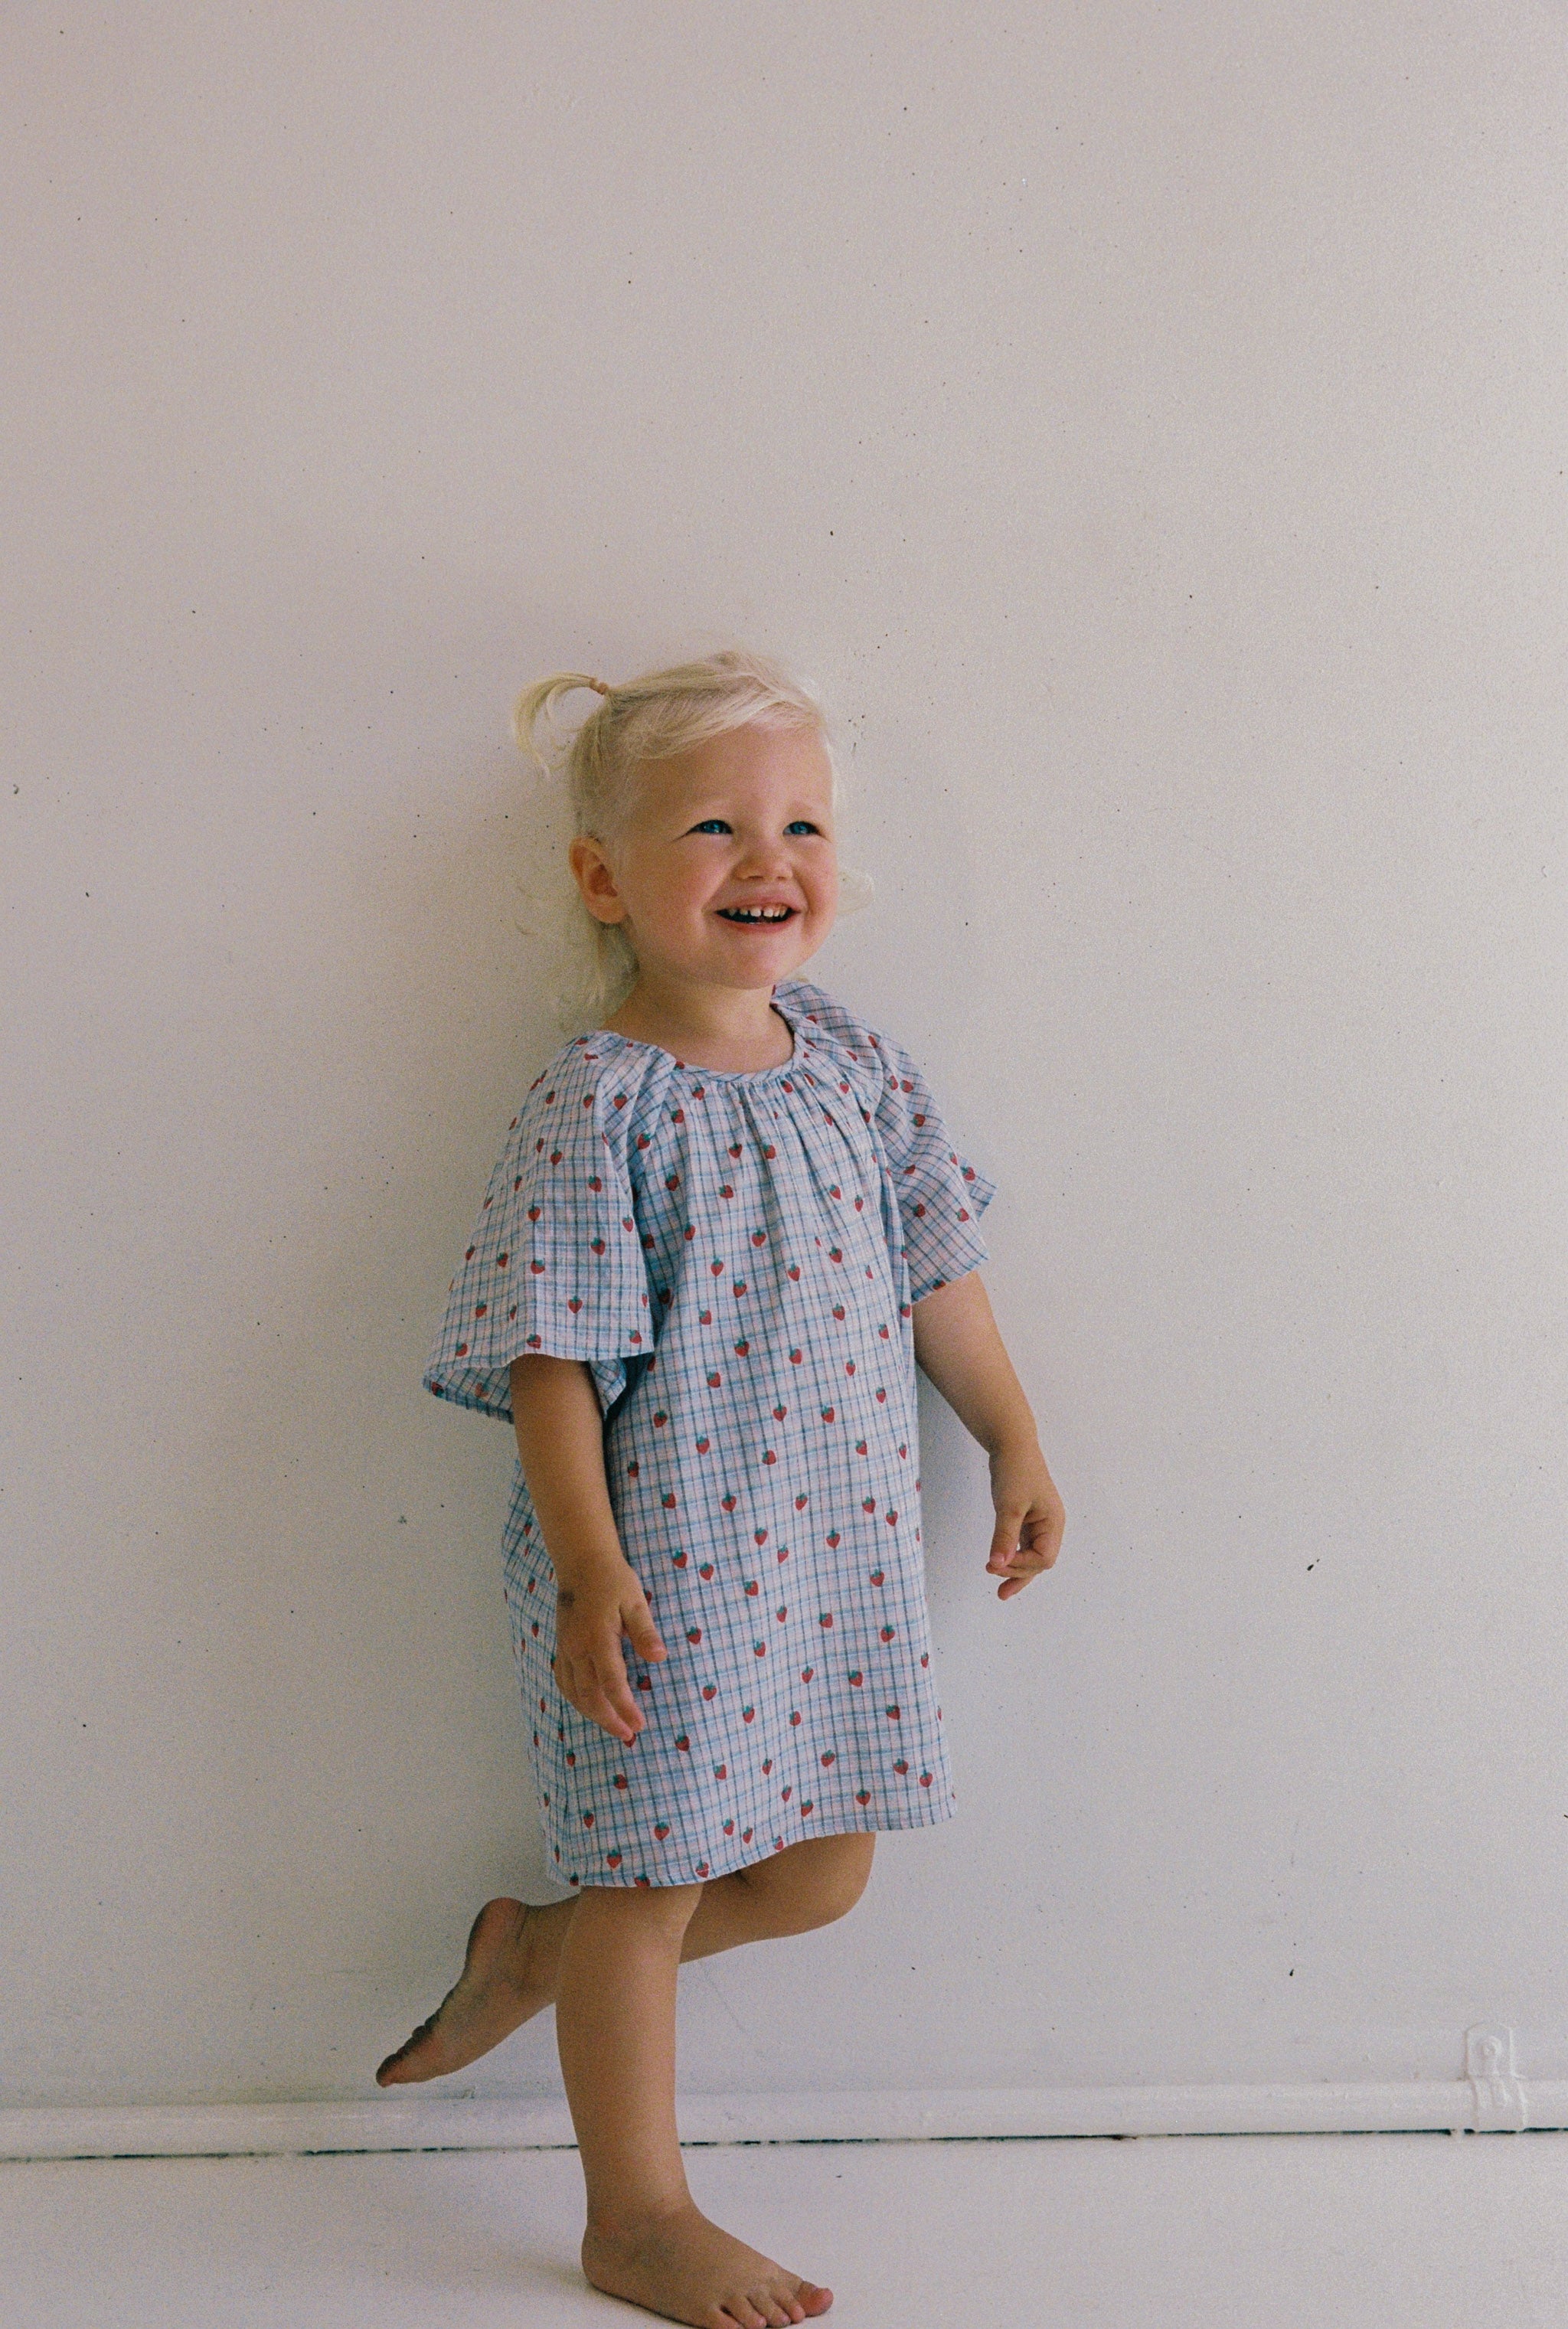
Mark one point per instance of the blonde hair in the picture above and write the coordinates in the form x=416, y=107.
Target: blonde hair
x=647, y=719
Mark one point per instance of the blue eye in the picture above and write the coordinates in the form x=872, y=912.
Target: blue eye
x=802, y=825
x=711, y=825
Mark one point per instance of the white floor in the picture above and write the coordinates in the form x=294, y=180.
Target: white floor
x=1368, y=2232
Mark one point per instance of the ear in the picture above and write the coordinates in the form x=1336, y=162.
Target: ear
x=596, y=880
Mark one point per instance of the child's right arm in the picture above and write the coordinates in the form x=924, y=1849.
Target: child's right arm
x=560, y=1441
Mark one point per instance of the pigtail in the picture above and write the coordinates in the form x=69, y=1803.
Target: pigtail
x=538, y=702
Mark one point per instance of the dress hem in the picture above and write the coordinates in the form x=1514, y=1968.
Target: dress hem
x=624, y=1878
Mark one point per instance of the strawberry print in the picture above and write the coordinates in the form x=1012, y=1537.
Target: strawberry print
x=637, y=1210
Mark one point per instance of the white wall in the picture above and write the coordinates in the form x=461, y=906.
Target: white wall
x=1146, y=424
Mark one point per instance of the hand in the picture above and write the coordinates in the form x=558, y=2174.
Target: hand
x=593, y=1608
x=1030, y=1517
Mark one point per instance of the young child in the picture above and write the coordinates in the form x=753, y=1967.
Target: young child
x=726, y=1227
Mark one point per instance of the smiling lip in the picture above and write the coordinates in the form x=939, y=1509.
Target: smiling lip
x=770, y=914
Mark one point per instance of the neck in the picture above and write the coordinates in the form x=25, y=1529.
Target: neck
x=733, y=1029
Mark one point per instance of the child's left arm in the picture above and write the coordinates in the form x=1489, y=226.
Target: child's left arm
x=957, y=1345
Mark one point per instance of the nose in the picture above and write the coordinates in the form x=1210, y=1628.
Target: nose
x=765, y=858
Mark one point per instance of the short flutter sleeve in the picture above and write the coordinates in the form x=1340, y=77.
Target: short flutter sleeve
x=554, y=1264
x=940, y=1194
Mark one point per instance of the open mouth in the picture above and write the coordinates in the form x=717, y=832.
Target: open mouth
x=751, y=918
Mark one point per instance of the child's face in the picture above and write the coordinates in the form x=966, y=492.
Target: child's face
x=724, y=871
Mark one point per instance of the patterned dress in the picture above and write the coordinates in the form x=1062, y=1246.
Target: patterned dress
x=735, y=1259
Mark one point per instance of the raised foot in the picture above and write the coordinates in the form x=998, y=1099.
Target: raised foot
x=690, y=2270
x=496, y=1992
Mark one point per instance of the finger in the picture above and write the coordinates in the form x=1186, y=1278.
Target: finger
x=580, y=1683
x=642, y=1633
x=621, y=1720
x=613, y=1690
x=1005, y=1536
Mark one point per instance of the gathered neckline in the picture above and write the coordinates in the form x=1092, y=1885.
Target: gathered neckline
x=723, y=1075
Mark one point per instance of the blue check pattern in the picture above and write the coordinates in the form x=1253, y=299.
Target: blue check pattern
x=735, y=1257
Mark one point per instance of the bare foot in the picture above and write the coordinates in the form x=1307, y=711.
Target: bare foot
x=502, y=1984
x=687, y=2269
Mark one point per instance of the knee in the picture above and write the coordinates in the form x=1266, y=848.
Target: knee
x=826, y=1886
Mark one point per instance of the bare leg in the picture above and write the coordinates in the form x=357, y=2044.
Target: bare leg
x=513, y=1956
x=646, y=2240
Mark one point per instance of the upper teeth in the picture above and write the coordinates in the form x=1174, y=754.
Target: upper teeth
x=755, y=913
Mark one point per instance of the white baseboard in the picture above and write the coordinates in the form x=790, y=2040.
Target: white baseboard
x=431, y=2124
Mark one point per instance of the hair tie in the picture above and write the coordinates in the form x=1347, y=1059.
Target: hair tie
x=600, y=684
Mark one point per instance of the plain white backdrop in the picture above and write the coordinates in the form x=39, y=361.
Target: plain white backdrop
x=1147, y=426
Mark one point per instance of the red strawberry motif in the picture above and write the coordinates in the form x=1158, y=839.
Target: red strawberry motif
x=587, y=1819
x=661, y=1829
x=838, y=1309
x=829, y=1756
x=828, y=1414
x=806, y=1672
x=753, y=1587
x=868, y=1504
x=878, y=1576
x=800, y=1503
x=863, y=1794
x=720, y=1770
x=793, y=1270
x=779, y=1414
x=892, y=1519
x=729, y=1827
x=768, y=1456
x=727, y=1503
x=860, y=1446
x=887, y=1632
x=613, y=1859
x=795, y=1718
x=574, y=1304
x=760, y=1648
x=759, y=1236
x=710, y=1689
x=621, y=1780
x=747, y=1833
x=807, y=1808
x=795, y=1358
x=783, y=1552
x=892, y=1713
x=768, y=1766
x=826, y=1618
x=882, y=1396
x=701, y=1868
x=596, y=1245
x=762, y=1535
x=781, y=1612
x=747, y=1713
x=742, y=1349
x=925, y=1778
x=784, y=1793
x=849, y=1366
x=901, y=1767
x=833, y=1542
x=693, y=1633
x=703, y=1446
x=857, y=1677
x=683, y=1744
x=669, y=1500
x=705, y=1569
